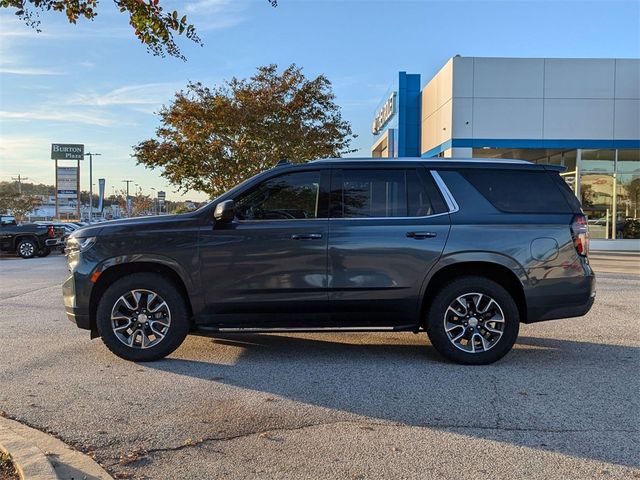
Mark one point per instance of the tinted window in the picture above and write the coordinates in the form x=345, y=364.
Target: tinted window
x=518, y=191
x=379, y=193
x=290, y=196
x=565, y=189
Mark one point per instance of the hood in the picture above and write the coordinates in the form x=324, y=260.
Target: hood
x=127, y=224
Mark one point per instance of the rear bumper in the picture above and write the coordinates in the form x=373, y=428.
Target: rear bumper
x=54, y=242
x=552, y=299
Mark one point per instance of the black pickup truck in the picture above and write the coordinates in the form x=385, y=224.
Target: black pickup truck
x=27, y=240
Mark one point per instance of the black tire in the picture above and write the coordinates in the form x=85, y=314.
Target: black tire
x=44, y=252
x=175, y=333
x=463, y=288
x=27, y=248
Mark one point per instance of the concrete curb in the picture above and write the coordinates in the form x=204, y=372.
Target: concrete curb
x=40, y=456
x=27, y=458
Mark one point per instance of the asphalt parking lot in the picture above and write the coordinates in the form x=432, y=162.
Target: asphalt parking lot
x=563, y=404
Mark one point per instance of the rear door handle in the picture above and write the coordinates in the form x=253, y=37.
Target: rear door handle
x=306, y=236
x=421, y=235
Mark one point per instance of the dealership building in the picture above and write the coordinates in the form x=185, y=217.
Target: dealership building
x=583, y=114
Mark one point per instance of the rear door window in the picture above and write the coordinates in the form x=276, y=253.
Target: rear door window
x=518, y=191
x=381, y=193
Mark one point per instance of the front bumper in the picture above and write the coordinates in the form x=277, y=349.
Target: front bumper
x=77, y=314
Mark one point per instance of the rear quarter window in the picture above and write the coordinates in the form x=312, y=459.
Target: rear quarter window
x=519, y=191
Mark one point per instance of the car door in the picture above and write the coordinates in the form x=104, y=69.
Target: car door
x=387, y=228
x=268, y=268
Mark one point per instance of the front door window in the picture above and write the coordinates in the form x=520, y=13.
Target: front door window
x=287, y=197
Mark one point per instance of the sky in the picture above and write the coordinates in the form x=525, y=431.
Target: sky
x=94, y=83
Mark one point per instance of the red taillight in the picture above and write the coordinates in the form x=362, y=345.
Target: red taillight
x=580, y=234
x=50, y=231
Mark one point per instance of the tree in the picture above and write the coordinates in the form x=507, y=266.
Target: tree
x=633, y=193
x=11, y=202
x=153, y=26
x=586, y=196
x=141, y=204
x=211, y=139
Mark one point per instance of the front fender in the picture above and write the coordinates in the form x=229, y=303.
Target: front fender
x=191, y=284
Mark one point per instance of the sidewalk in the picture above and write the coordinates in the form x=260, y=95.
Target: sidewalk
x=39, y=456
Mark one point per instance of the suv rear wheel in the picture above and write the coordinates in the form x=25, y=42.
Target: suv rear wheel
x=142, y=317
x=473, y=321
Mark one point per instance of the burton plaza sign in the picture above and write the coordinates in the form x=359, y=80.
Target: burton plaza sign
x=67, y=151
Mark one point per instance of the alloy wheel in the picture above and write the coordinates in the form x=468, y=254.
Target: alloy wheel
x=26, y=249
x=140, y=318
x=474, y=322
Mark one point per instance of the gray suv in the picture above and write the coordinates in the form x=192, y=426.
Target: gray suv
x=464, y=250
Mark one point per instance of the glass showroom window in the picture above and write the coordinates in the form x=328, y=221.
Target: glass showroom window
x=628, y=194
x=610, y=192
x=597, y=190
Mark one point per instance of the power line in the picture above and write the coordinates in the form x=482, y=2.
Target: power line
x=19, y=180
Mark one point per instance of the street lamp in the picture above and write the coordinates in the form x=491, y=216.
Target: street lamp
x=127, y=199
x=155, y=201
x=91, y=155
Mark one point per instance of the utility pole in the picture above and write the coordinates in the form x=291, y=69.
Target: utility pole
x=127, y=199
x=19, y=180
x=91, y=155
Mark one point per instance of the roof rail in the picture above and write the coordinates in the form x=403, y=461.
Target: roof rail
x=281, y=162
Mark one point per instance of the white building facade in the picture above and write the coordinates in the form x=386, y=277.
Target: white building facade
x=583, y=114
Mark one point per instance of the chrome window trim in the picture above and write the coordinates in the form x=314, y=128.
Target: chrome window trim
x=452, y=205
x=446, y=193
x=388, y=218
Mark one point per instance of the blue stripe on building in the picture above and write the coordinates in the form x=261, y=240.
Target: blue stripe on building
x=530, y=143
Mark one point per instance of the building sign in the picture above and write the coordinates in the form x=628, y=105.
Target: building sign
x=67, y=189
x=385, y=113
x=67, y=151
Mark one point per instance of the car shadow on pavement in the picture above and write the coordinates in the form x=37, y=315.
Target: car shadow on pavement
x=569, y=397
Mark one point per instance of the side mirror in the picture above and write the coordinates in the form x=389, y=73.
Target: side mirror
x=225, y=211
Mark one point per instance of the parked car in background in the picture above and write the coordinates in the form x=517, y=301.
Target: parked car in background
x=626, y=228
x=464, y=250
x=27, y=240
x=68, y=227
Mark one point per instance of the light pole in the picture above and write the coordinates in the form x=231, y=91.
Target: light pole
x=155, y=203
x=127, y=199
x=91, y=155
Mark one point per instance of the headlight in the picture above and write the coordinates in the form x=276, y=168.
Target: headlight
x=79, y=244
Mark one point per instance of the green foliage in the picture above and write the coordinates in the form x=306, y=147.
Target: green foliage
x=180, y=208
x=11, y=202
x=153, y=26
x=28, y=188
x=211, y=139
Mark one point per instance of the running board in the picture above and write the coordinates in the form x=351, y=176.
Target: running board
x=399, y=328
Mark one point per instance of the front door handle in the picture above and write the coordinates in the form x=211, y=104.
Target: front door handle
x=306, y=236
x=421, y=235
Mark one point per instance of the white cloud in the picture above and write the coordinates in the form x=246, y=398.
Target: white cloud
x=143, y=94
x=57, y=116
x=9, y=70
x=216, y=14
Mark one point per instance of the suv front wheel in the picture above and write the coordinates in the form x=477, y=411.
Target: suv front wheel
x=142, y=317
x=473, y=321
